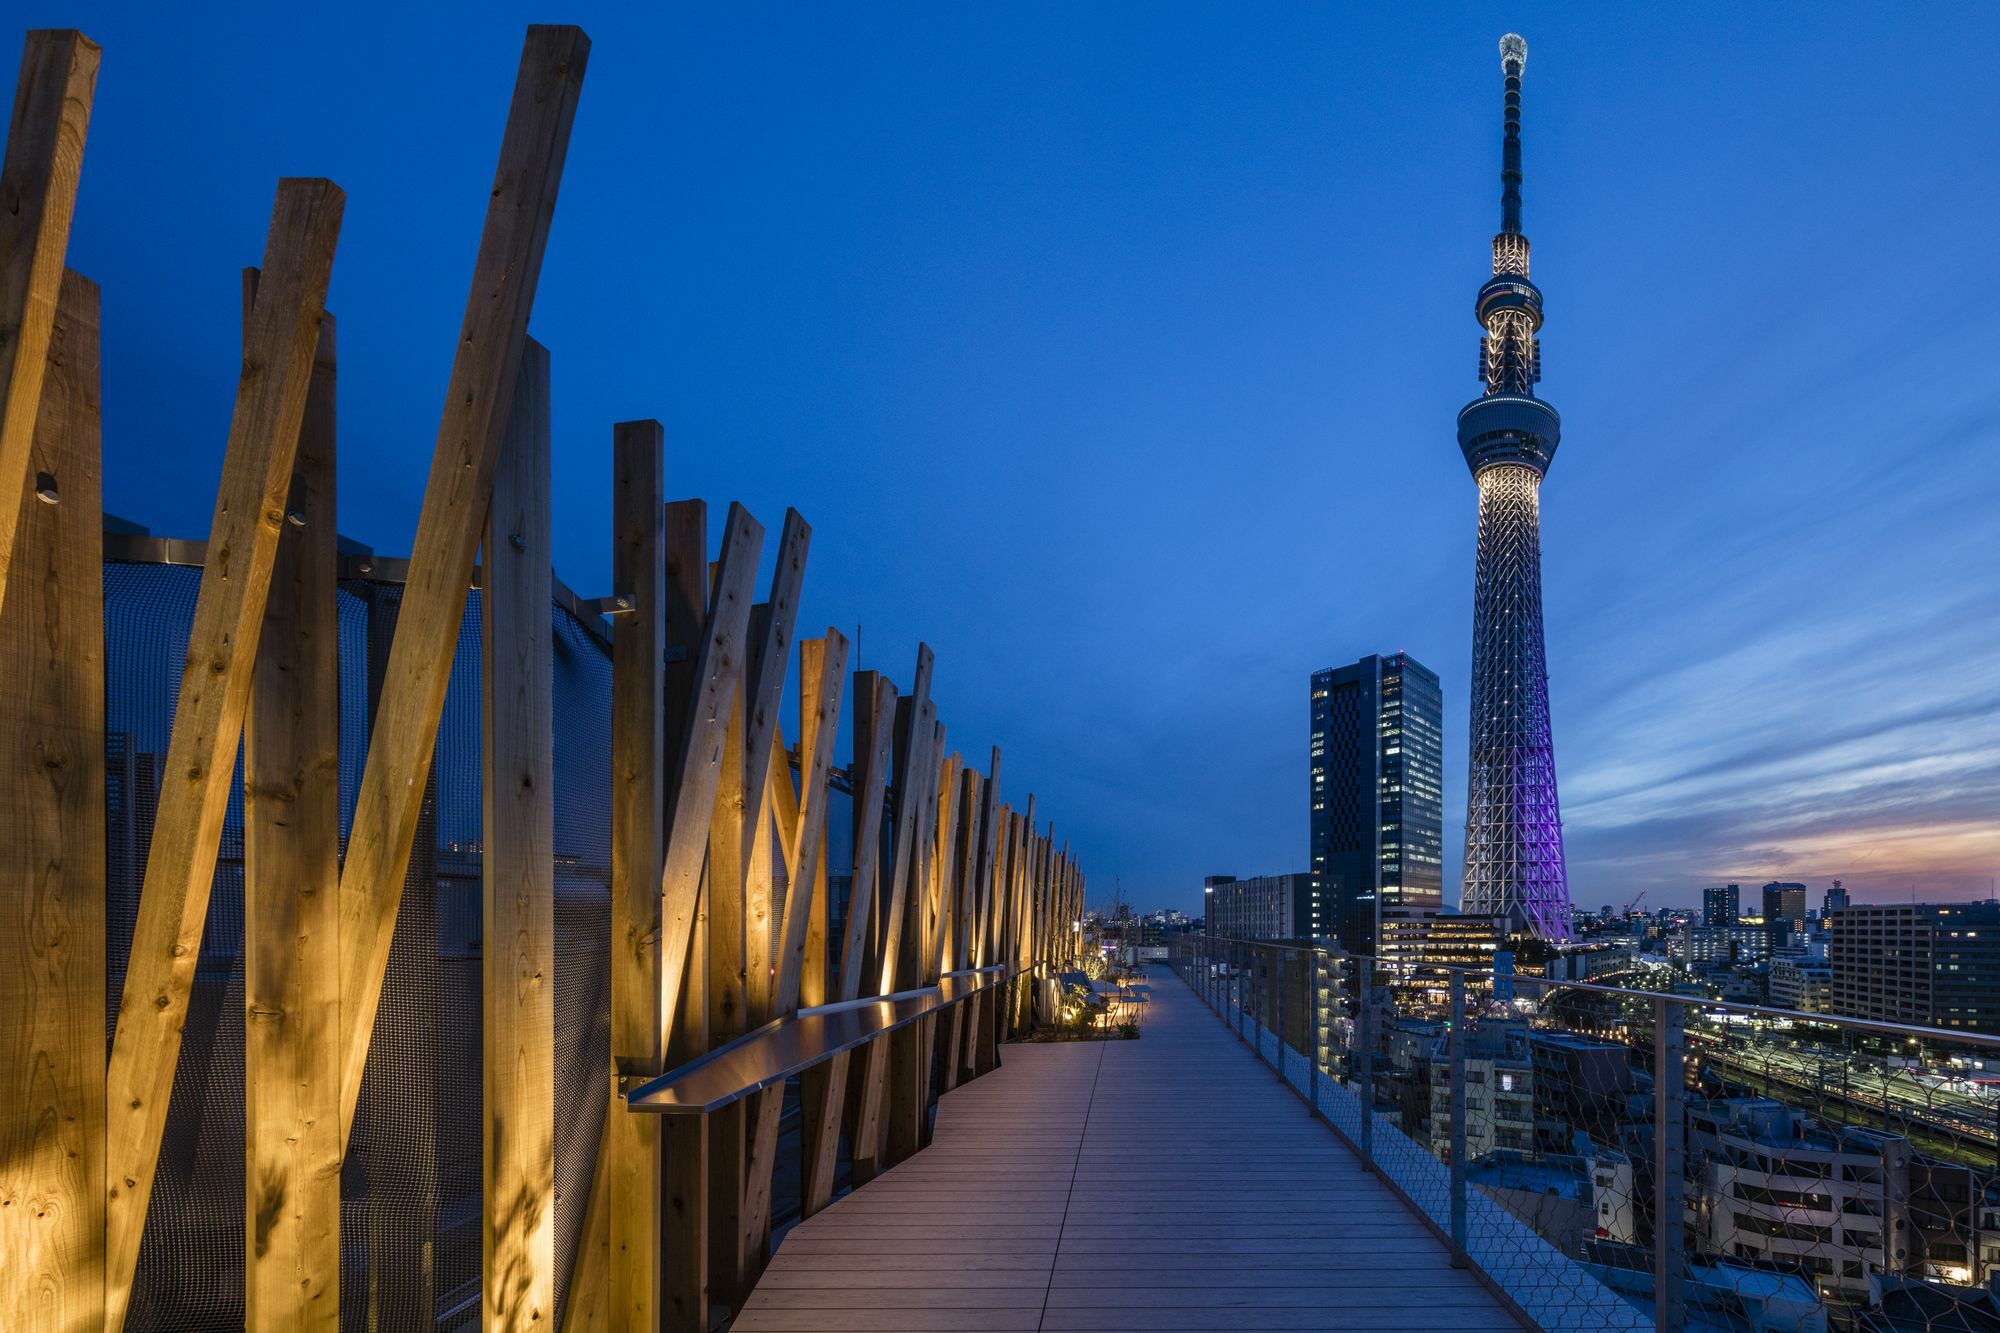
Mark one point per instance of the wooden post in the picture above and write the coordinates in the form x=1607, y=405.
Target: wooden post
x=685, y=539
x=208, y=720
x=38, y=179
x=658, y=565
x=484, y=372
x=630, y=1143
x=52, y=801
x=517, y=688
x=291, y=904
x=685, y=1277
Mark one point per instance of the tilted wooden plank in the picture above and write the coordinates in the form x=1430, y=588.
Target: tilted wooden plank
x=971, y=835
x=208, y=719
x=730, y=839
x=727, y=858
x=685, y=535
x=816, y=978
x=739, y=885
x=52, y=861
x=822, y=1100
x=983, y=871
x=912, y=740
x=919, y=805
x=939, y=937
x=822, y=683
x=517, y=819
x=38, y=179
x=961, y=908
x=704, y=733
x=477, y=397
x=825, y=1090
x=770, y=656
x=913, y=1047
x=822, y=678
x=875, y=704
x=291, y=903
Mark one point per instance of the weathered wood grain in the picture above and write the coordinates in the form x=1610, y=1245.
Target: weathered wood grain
x=822, y=685
x=517, y=818
x=913, y=740
x=38, y=180
x=208, y=719
x=822, y=677
x=770, y=656
x=291, y=906
x=615, y=1280
x=685, y=536
x=684, y=1281
x=52, y=861
x=712, y=702
x=478, y=395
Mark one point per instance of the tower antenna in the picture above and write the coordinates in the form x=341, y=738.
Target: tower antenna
x=1513, y=59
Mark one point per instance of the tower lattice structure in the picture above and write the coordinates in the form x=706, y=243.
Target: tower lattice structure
x=1513, y=821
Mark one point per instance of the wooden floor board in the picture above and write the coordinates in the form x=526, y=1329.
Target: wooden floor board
x=1169, y=1183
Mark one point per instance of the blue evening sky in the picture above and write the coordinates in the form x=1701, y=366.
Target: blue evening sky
x=1114, y=350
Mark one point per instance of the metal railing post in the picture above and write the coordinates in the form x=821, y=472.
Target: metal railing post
x=1278, y=1016
x=1312, y=1036
x=1364, y=1061
x=1669, y=1168
x=1457, y=1056
x=1239, y=980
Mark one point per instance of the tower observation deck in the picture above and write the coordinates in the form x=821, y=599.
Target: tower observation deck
x=1513, y=821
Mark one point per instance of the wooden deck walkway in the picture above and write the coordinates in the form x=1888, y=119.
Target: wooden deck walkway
x=1166, y=1183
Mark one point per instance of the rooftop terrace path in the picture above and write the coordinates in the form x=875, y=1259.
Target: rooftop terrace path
x=1166, y=1183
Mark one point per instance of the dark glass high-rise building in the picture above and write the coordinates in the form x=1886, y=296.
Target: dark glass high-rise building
x=1375, y=790
x=1721, y=905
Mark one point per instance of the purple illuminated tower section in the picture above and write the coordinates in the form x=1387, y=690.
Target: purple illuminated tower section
x=1513, y=822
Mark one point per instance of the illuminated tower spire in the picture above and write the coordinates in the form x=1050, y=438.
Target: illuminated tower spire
x=1513, y=821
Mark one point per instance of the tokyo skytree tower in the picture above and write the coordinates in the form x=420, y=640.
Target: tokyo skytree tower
x=1513, y=824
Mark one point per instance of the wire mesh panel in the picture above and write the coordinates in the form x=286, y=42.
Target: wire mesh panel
x=411, y=1180
x=1615, y=1159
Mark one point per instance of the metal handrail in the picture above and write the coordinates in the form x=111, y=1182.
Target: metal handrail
x=768, y=1055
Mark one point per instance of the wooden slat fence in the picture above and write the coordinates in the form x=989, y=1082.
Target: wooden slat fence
x=728, y=950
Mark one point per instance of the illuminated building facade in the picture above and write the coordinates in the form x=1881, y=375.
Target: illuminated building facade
x=1263, y=907
x=1786, y=904
x=1376, y=795
x=1514, y=864
x=1926, y=964
x=1721, y=905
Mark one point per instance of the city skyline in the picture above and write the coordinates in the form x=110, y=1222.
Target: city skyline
x=1205, y=295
